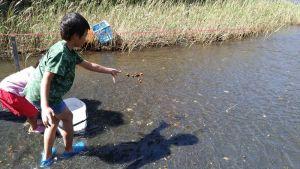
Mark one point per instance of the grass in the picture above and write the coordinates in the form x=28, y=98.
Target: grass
x=154, y=22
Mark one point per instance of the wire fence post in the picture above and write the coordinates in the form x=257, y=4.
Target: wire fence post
x=15, y=52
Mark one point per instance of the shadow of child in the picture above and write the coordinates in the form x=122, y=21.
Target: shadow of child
x=7, y=116
x=150, y=148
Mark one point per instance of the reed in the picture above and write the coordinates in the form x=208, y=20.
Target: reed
x=155, y=22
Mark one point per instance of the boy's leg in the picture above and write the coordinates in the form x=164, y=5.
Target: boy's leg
x=49, y=137
x=67, y=129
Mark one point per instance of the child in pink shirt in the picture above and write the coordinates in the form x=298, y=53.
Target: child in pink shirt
x=13, y=99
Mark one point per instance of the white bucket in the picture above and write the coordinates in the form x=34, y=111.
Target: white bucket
x=78, y=108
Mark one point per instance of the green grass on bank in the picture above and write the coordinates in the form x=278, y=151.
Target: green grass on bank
x=155, y=22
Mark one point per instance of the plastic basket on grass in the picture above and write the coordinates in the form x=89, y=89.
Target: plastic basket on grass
x=103, y=32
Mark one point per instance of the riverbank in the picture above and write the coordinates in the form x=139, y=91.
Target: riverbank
x=152, y=23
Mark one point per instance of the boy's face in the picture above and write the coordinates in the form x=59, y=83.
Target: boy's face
x=79, y=41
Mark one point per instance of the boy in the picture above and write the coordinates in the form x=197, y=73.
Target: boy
x=54, y=77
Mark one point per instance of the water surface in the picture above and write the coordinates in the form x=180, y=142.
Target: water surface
x=230, y=105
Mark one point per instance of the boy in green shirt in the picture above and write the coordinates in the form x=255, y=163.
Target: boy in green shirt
x=54, y=77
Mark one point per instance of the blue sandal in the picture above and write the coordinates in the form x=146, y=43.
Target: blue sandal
x=48, y=162
x=77, y=148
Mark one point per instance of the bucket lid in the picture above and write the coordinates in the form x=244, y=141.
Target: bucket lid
x=74, y=104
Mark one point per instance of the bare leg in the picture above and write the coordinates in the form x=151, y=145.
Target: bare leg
x=49, y=138
x=32, y=122
x=67, y=129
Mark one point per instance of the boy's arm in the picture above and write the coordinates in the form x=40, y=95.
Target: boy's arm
x=98, y=68
x=47, y=112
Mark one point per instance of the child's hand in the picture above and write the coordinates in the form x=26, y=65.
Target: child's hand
x=114, y=73
x=48, y=116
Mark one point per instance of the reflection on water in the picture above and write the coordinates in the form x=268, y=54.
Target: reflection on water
x=234, y=105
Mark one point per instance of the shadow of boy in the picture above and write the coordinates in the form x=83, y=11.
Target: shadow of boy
x=150, y=148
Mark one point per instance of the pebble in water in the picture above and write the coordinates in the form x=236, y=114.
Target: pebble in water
x=150, y=123
x=226, y=158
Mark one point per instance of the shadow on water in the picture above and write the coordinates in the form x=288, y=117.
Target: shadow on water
x=150, y=148
x=8, y=116
x=98, y=120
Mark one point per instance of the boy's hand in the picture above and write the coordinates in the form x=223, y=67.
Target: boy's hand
x=113, y=72
x=48, y=116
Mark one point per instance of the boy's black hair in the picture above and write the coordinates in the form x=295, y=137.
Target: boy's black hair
x=73, y=23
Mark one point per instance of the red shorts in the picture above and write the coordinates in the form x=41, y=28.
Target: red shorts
x=18, y=105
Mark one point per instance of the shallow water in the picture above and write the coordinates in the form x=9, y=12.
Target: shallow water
x=296, y=1
x=234, y=105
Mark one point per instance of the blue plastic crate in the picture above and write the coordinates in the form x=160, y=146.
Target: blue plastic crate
x=103, y=32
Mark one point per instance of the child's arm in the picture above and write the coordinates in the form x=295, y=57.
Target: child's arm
x=98, y=68
x=47, y=112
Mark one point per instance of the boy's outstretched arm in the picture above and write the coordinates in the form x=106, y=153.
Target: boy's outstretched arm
x=98, y=68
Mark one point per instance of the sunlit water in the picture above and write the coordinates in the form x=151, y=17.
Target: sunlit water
x=233, y=105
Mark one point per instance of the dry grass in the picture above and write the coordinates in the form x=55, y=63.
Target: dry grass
x=157, y=23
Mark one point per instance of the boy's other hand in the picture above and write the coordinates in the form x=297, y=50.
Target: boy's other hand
x=47, y=116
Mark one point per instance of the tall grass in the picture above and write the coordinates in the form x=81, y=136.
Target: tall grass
x=157, y=22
